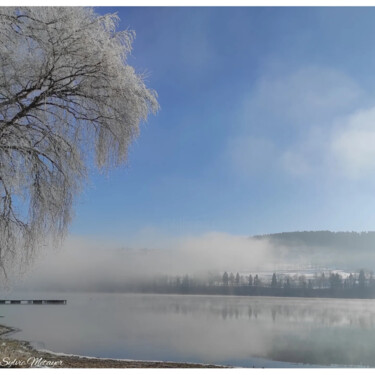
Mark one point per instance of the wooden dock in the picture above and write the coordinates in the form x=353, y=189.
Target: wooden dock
x=32, y=301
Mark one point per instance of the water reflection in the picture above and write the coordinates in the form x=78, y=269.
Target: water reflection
x=327, y=312
x=209, y=329
x=315, y=331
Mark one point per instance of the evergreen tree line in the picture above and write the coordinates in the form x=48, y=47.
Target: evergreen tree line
x=332, y=285
x=320, y=281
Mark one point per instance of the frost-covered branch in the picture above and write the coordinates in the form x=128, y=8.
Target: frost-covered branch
x=66, y=94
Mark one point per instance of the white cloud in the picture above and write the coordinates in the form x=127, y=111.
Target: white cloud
x=307, y=96
x=344, y=148
x=353, y=144
x=322, y=111
x=308, y=156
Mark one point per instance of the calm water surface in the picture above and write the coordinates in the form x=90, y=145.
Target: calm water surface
x=239, y=331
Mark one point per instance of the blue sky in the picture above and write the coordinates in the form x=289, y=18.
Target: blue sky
x=267, y=124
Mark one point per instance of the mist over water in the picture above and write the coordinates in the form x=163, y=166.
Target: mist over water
x=230, y=330
x=83, y=262
x=240, y=331
x=87, y=264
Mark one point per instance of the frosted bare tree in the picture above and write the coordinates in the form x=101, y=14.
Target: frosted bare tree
x=67, y=96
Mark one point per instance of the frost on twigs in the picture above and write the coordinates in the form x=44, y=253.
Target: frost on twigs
x=66, y=93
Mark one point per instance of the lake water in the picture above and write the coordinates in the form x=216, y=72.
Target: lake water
x=231, y=330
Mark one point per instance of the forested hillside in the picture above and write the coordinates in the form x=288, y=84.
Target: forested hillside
x=342, y=240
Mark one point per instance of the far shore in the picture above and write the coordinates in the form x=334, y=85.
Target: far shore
x=20, y=354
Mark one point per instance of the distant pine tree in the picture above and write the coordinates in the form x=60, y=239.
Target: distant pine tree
x=237, y=280
x=225, y=279
x=274, y=281
x=361, y=279
x=256, y=280
x=250, y=280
